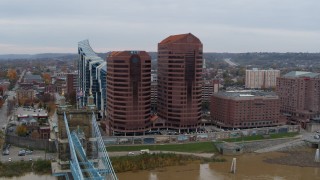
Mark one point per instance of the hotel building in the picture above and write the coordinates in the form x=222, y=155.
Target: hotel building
x=299, y=94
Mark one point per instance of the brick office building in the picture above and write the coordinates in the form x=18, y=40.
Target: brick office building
x=246, y=109
x=72, y=82
x=128, y=89
x=180, y=81
x=299, y=94
x=208, y=88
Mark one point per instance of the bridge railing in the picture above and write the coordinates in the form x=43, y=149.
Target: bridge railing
x=74, y=164
x=88, y=166
x=102, y=152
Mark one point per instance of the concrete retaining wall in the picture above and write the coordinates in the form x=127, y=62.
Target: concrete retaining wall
x=163, y=139
x=43, y=144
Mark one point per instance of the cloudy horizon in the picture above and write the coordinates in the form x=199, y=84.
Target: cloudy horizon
x=39, y=26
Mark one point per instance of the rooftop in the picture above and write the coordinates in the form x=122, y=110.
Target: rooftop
x=247, y=93
x=33, y=77
x=128, y=53
x=26, y=112
x=175, y=38
x=85, y=49
x=301, y=74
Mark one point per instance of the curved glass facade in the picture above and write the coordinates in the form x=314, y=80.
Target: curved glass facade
x=92, y=76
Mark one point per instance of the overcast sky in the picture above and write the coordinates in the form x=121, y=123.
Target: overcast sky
x=39, y=26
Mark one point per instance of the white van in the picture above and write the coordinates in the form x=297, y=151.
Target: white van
x=144, y=151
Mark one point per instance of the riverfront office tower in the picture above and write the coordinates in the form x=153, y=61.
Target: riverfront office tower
x=180, y=81
x=91, y=77
x=129, y=92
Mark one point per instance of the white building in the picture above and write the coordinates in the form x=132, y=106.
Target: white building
x=258, y=79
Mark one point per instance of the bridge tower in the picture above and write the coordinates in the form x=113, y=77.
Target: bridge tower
x=81, y=151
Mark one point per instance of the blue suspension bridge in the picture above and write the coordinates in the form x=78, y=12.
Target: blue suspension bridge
x=80, y=166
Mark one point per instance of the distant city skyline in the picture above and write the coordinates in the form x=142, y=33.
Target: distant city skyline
x=37, y=26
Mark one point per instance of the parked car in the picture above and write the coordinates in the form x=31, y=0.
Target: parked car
x=5, y=152
x=28, y=152
x=144, y=151
x=22, y=152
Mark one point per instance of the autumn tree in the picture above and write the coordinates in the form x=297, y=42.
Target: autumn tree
x=12, y=74
x=21, y=130
x=47, y=78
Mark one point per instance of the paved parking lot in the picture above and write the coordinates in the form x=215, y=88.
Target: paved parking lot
x=37, y=154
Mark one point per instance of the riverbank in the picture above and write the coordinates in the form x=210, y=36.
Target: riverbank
x=164, y=155
x=156, y=160
x=249, y=166
x=19, y=168
x=120, y=163
x=258, y=141
x=302, y=157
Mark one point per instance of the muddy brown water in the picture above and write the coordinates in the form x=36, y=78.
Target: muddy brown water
x=31, y=176
x=249, y=167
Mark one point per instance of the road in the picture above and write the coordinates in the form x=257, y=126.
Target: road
x=124, y=153
x=3, y=114
x=11, y=94
x=4, y=109
x=227, y=60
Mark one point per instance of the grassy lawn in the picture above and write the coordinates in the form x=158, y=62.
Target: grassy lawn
x=260, y=137
x=199, y=147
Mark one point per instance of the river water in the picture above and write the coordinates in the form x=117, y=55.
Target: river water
x=249, y=167
x=31, y=176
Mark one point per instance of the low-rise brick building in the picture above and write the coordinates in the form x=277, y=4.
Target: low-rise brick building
x=246, y=109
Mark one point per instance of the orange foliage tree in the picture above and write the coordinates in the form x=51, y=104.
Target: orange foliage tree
x=12, y=74
x=21, y=130
x=47, y=78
